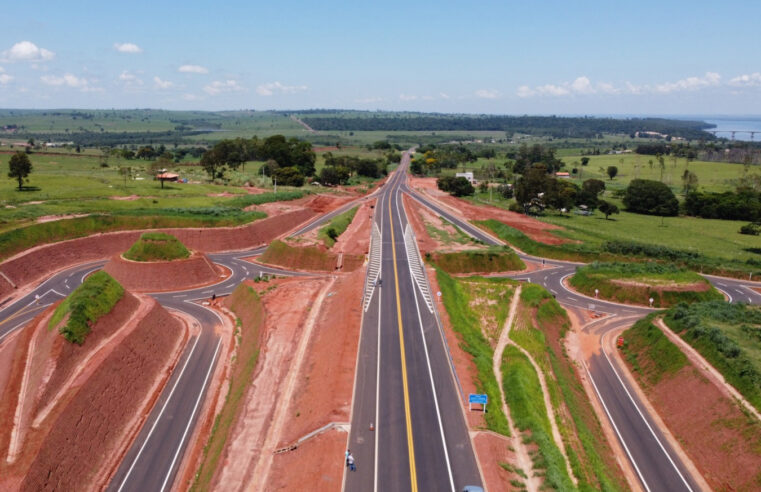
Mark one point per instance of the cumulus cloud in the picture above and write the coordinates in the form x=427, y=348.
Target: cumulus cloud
x=26, y=51
x=192, y=69
x=272, y=88
x=162, y=84
x=70, y=80
x=443, y=95
x=690, y=83
x=219, y=86
x=407, y=97
x=487, y=94
x=5, y=78
x=127, y=48
x=747, y=80
x=130, y=79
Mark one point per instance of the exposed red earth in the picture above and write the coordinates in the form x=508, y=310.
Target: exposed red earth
x=156, y=276
x=535, y=229
x=73, y=410
x=37, y=263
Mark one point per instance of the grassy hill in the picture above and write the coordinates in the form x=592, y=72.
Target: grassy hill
x=157, y=246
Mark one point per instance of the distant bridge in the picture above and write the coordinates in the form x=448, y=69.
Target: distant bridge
x=733, y=132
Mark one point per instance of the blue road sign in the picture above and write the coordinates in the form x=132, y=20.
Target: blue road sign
x=476, y=398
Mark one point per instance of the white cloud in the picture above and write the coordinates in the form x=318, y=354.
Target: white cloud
x=552, y=90
x=127, y=48
x=607, y=88
x=525, y=91
x=689, y=84
x=747, y=80
x=130, y=79
x=582, y=85
x=190, y=97
x=162, y=84
x=5, y=78
x=487, y=94
x=443, y=95
x=272, y=88
x=193, y=69
x=407, y=97
x=219, y=86
x=26, y=51
x=70, y=80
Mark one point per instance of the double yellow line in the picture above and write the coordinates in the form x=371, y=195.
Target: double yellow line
x=407, y=415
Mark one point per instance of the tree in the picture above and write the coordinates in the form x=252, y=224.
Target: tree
x=213, y=164
x=533, y=182
x=689, y=181
x=19, y=168
x=334, y=175
x=607, y=208
x=455, y=186
x=612, y=171
x=644, y=196
x=584, y=161
x=288, y=176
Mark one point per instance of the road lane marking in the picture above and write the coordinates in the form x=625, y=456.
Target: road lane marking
x=615, y=428
x=643, y=417
x=192, y=415
x=407, y=415
x=425, y=348
x=158, y=417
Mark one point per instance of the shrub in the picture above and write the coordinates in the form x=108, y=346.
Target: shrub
x=751, y=229
x=95, y=298
x=157, y=246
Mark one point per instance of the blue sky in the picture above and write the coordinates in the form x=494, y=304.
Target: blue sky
x=533, y=57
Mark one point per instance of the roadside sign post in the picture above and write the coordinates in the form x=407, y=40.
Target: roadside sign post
x=438, y=294
x=479, y=399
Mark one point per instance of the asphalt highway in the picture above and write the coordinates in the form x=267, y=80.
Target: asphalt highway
x=658, y=467
x=404, y=385
x=151, y=462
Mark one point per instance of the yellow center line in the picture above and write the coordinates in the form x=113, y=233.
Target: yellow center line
x=18, y=313
x=408, y=418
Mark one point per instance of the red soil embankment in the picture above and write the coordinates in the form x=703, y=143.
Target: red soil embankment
x=535, y=229
x=88, y=399
x=34, y=264
x=355, y=240
x=309, y=258
x=324, y=393
x=156, y=276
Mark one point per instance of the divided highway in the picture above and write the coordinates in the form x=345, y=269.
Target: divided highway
x=657, y=465
x=404, y=386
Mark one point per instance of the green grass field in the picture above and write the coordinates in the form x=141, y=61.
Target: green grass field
x=330, y=232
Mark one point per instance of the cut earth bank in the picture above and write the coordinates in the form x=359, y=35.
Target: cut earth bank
x=42, y=261
x=301, y=382
x=71, y=411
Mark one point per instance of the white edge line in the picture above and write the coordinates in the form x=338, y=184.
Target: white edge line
x=644, y=419
x=725, y=293
x=158, y=417
x=12, y=330
x=379, y=212
x=615, y=427
x=192, y=415
x=427, y=357
x=88, y=272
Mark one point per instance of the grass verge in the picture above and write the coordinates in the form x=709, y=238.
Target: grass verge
x=157, y=246
x=728, y=336
x=95, y=298
x=307, y=258
x=635, y=283
x=329, y=232
x=541, y=326
x=481, y=261
x=472, y=340
x=650, y=352
x=248, y=308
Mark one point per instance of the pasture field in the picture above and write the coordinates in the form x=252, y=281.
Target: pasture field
x=709, y=237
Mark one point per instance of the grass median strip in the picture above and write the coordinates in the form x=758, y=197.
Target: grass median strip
x=249, y=310
x=330, y=232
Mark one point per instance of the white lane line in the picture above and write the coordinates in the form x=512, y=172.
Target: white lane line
x=88, y=272
x=427, y=357
x=726, y=293
x=180, y=295
x=378, y=361
x=12, y=330
x=207, y=292
x=615, y=428
x=192, y=415
x=572, y=298
x=750, y=301
x=720, y=284
x=553, y=291
x=153, y=427
x=643, y=418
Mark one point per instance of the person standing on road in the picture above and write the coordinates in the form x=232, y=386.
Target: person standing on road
x=346, y=456
x=350, y=461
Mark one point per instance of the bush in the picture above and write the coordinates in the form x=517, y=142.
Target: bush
x=157, y=246
x=644, y=196
x=455, y=186
x=95, y=298
x=751, y=229
x=289, y=176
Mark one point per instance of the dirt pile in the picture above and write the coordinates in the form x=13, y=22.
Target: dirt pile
x=72, y=410
x=535, y=229
x=327, y=203
x=155, y=276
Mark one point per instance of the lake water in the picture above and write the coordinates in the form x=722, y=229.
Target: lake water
x=739, y=124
